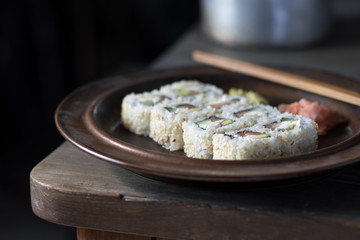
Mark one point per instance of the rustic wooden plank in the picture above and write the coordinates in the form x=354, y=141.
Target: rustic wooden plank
x=186, y=221
x=72, y=188
x=91, y=234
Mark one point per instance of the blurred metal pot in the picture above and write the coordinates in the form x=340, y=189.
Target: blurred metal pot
x=266, y=22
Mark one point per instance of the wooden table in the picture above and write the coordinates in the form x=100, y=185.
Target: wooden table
x=105, y=201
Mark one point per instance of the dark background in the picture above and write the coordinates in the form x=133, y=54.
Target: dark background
x=49, y=48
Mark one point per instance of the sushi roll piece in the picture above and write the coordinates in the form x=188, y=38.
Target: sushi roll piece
x=166, y=122
x=191, y=90
x=256, y=142
x=298, y=134
x=198, y=134
x=235, y=115
x=258, y=113
x=225, y=103
x=136, y=109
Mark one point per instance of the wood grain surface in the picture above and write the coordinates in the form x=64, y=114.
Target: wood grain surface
x=90, y=234
x=75, y=189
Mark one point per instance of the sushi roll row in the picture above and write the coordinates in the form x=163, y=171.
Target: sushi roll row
x=136, y=107
x=282, y=135
x=206, y=123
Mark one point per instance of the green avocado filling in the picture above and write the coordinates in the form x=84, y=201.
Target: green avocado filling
x=170, y=109
x=254, y=97
x=185, y=92
x=286, y=119
x=291, y=127
x=253, y=134
x=147, y=103
x=227, y=122
x=182, y=92
x=264, y=135
x=194, y=109
x=204, y=124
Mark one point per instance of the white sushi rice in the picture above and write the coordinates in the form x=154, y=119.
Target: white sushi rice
x=166, y=122
x=174, y=116
x=191, y=90
x=298, y=134
x=198, y=141
x=198, y=137
x=136, y=110
x=231, y=146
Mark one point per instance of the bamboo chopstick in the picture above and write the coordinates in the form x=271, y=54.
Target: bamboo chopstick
x=277, y=76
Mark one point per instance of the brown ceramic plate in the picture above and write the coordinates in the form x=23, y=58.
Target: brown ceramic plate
x=90, y=119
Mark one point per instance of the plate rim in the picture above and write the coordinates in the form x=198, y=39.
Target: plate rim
x=206, y=174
